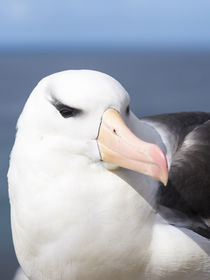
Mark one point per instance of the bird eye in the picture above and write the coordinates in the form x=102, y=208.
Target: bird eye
x=66, y=111
x=128, y=110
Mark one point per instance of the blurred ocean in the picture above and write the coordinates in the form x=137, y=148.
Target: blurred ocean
x=158, y=82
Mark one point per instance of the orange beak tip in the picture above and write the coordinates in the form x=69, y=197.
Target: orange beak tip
x=164, y=181
x=164, y=177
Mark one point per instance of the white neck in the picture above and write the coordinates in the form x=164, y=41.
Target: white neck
x=96, y=205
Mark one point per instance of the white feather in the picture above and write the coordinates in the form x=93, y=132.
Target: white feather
x=72, y=218
x=19, y=275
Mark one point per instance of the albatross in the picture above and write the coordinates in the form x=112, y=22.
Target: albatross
x=97, y=193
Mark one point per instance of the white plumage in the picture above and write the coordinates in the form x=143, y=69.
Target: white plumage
x=19, y=275
x=76, y=217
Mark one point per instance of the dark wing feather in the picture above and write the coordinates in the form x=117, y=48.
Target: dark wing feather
x=180, y=124
x=188, y=189
x=189, y=177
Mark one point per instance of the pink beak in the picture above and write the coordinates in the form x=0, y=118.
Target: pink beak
x=118, y=145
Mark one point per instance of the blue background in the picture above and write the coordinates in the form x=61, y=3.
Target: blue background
x=159, y=50
x=97, y=23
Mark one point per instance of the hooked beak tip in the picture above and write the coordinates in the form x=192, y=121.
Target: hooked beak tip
x=164, y=180
x=119, y=146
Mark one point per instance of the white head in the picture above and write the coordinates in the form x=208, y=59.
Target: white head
x=81, y=113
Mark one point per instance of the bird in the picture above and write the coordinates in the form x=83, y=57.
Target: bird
x=97, y=193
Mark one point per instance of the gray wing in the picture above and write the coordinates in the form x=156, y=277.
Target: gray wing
x=188, y=189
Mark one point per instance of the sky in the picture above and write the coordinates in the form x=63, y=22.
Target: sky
x=60, y=23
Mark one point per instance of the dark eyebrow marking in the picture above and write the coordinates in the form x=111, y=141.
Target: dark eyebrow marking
x=65, y=110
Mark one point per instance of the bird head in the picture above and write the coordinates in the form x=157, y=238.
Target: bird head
x=86, y=113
